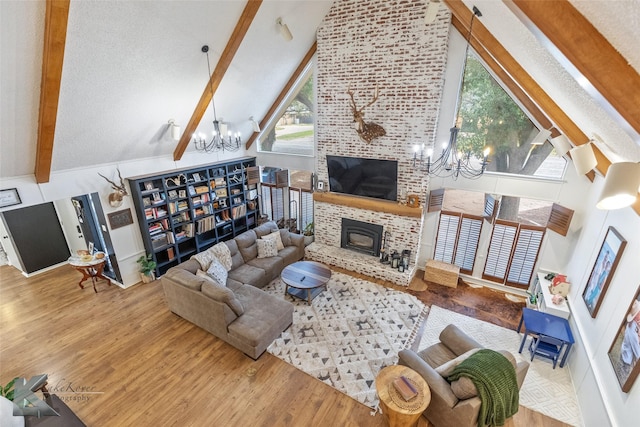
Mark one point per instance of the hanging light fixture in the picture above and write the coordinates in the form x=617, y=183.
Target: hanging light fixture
x=452, y=162
x=223, y=139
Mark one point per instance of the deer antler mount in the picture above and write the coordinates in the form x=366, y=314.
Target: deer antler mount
x=115, y=198
x=368, y=131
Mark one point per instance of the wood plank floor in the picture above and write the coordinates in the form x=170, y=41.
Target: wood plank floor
x=121, y=358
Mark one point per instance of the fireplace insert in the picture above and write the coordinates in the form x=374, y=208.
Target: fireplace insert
x=361, y=236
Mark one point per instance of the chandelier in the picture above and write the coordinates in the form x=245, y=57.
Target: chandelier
x=452, y=161
x=222, y=139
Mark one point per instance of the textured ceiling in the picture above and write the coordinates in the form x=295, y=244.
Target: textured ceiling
x=130, y=66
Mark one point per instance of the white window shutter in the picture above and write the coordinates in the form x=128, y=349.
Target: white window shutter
x=502, y=240
x=446, y=237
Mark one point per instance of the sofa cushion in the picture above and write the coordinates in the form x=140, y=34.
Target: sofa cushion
x=222, y=294
x=291, y=254
x=236, y=256
x=249, y=274
x=223, y=254
x=267, y=248
x=285, y=236
x=265, y=229
x=447, y=368
x=274, y=236
x=247, y=245
x=436, y=355
x=218, y=272
x=464, y=388
x=272, y=266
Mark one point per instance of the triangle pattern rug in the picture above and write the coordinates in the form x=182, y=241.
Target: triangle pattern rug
x=545, y=390
x=349, y=333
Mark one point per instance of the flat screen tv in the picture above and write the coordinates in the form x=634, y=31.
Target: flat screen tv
x=363, y=177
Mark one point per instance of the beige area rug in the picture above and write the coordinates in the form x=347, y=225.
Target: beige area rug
x=545, y=390
x=349, y=333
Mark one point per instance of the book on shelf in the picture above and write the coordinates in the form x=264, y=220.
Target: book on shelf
x=171, y=254
x=201, y=189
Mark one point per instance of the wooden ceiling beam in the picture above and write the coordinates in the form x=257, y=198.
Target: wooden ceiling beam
x=283, y=93
x=248, y=14
x=589, y=52
x=55, y=36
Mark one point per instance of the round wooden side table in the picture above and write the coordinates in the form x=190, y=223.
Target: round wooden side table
x=397, y=411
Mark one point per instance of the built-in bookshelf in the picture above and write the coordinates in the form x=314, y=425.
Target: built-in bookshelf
x=184, y=212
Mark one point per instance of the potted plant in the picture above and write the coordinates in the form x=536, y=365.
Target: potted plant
x=308, y=234
x=147, y=268
x=532, y=300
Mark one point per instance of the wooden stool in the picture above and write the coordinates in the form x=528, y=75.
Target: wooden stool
x=397, y=411
x=441, y=273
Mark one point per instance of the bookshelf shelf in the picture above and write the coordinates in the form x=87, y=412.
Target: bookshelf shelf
x=180, y=213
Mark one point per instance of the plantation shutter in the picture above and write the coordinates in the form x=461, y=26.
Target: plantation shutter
x=446, y=237
x=559, y=219
x=490, y=207
x=277, y=203
x=253, y=175
x=467, y=243
x=436, y=199
x=502, y=240
x=525, y=255
x=306, y=209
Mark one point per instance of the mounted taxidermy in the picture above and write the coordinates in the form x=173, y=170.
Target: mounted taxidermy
x=367, y=131
x=116, y=197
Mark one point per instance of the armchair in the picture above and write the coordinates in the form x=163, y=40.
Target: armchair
x=446, y=409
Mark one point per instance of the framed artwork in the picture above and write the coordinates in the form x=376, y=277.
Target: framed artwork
x=320, y=185
x=120, y=218
x=625, y=349
x=148, y=185
x=9, y=197
x=603, y=270
x=413, y=200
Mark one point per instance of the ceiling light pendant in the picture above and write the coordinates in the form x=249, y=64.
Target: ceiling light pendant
x=620, y=186
x=284, y=30
x=222, y=139
x=255, y=125
x=584, y=159
x=174, y=130
x=452, y=161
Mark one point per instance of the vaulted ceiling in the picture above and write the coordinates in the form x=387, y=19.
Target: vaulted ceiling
x=130, y=66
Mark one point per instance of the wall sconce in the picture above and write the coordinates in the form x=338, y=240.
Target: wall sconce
x=284, y=30
x=254, y=124
x=174, y=130
x=561, y=144
x=583, y=158
x=620, y=186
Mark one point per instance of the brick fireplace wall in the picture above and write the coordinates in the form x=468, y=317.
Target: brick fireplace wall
x=363, y=44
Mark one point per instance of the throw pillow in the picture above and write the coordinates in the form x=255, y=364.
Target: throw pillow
x=222, y=252
x=205, y=258
x=447, y=368
x=267, y=248
x=275, y=236
x=464, y=388
x=218, y=272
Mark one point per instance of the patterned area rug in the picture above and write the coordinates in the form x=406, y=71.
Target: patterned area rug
x=545, y=390
x=349, y=333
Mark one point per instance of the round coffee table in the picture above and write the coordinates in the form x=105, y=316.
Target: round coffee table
x=396, y=410
x=305, y=279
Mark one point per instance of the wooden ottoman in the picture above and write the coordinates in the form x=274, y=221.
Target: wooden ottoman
x=441, y=273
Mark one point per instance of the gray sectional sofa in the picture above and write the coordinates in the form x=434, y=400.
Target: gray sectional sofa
x=239, y=313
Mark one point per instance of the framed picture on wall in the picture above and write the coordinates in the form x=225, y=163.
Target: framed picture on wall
x=623, y=352
x=603, y=270
x=9, y=197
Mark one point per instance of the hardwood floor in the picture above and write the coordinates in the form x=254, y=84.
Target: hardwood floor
x=121, y=358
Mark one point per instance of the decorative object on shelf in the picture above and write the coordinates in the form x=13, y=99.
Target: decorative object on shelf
x=367, y=131
x=147, y=268
x=557, y=299
x=625, y=364
x=219, y=140
x=413, y=201
x=174, y=130
x=284, y=30
x=603, y=270
x=532, y=300
x=406, y=258
x=116, y=198
x=9, y=197
x=452, y=162
x=559, y=286
x=620, y=186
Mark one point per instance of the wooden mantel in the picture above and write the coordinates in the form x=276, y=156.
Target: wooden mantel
x=367, y=203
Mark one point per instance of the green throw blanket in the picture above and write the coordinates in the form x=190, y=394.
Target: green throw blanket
x=495, y=378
